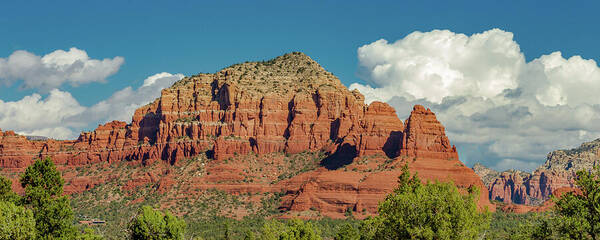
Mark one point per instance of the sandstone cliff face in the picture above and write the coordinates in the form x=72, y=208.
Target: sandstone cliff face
x=425, y=137
x=557, y=173
x=289, y=104
x=507, y=186
x=424, y=147
x=510, y=187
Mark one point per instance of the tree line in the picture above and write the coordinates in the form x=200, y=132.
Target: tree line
x=414, y=210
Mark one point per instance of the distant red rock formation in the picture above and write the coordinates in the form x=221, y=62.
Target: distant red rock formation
x=535, y=189
x=545, y=206
x=509, y=188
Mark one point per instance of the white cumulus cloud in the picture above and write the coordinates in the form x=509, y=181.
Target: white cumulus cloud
x=33, y=115
x=499, y=109
x=52, y=70
x=60, y=116
x=439, y=64
x=123, y=103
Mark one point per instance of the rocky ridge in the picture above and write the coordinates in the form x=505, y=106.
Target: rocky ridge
x=286, y=105
x=556, y=174
x=486, y=174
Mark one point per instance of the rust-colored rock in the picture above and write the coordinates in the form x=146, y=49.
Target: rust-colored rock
x=424, y=147
x=545, y=206
x=555, y=176
x=509, y=187
x=425, y=136
x=289, y=104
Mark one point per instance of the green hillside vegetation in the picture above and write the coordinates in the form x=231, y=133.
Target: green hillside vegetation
x=43, y=212
x=414, y=210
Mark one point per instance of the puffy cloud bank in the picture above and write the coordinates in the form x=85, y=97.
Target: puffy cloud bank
x=59, y=115
x=54, y=69
x=34, y=115
x=497, y=108
x=123, y=103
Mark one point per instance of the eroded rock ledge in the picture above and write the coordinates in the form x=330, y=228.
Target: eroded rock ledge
x=289, y=104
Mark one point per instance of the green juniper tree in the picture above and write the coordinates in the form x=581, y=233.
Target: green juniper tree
x=150, y=224
x=294, y=229
x=347, y=232
x=426, y=211
x=250, y=235
x=271, y=229
x=88, y=234
x=6, y=192
x=16, y=222
x=300, y=230
x=578, y=215
x=43, y=195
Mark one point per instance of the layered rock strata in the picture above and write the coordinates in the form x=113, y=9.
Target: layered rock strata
x=557, y=173
x=289, y=104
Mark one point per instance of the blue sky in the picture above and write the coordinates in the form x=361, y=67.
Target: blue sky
x=204, y=36
x=200, y=36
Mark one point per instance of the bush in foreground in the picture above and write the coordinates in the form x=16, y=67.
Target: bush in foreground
x=43, y=213
x=17, y=223
x=150, y=224
x=426, y=211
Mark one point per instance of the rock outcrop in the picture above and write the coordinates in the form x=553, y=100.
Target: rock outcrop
x=425, y=137
x=510, y=187
x=557, y=173
x=507, y=186
x=289, y=104
x=486, y=174
x=424, y=147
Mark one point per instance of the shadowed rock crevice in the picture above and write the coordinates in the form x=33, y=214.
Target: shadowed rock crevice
x=334, y=130
x=148, y=128
x=393, y=144
x=344, y=155
x=290, y=118
x=223, y=97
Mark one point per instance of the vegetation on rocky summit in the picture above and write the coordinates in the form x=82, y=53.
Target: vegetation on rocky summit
x=287, y=74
